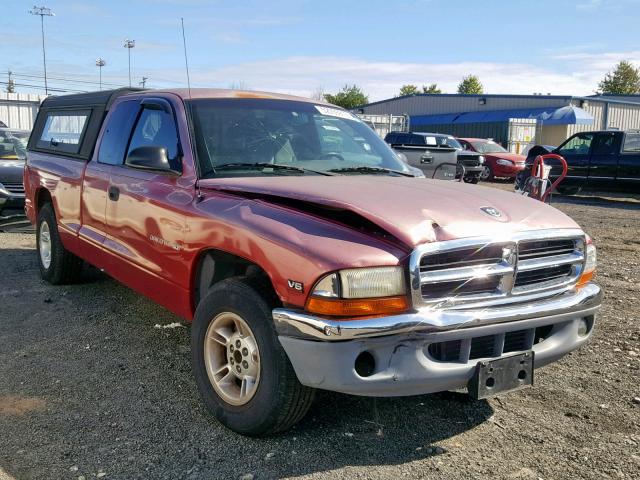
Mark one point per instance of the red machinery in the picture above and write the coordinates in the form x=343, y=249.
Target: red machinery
x=538, y=185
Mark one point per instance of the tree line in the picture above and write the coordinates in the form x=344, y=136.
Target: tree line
x=624, y=79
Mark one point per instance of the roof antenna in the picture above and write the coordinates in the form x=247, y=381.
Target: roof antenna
x=199, y=194
x=186, y=62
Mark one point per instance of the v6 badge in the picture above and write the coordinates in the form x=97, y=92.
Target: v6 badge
x=295, y=285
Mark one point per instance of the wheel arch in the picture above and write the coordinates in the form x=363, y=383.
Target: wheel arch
x=42, y=197
x=212, y=265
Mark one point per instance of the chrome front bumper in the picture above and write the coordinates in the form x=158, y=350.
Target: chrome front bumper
x=297, y=324
x=323, y=352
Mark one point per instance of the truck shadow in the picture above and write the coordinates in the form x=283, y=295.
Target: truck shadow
x=381, y=431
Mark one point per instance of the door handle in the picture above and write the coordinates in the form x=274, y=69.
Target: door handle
x=425, y=159
x=114, y=193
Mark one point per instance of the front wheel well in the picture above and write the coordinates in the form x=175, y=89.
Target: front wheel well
x=213, y=266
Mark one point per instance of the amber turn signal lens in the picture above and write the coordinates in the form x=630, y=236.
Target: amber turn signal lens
x=357, y=307
x=585, y=278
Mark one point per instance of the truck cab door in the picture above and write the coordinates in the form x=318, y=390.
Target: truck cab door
x=576, y=150
x=628, y=176
x=109, y=152
x=145, y=211
x=603, y=162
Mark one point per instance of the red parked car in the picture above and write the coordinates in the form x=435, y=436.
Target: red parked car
x=498, y=161
x=303, y=250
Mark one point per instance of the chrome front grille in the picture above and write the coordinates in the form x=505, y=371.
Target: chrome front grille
x=14, y=187
x=481, y=269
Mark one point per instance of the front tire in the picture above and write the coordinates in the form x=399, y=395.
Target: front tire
x=472, y=180
x=58, y=266
x=242, y=372
x=487, y=174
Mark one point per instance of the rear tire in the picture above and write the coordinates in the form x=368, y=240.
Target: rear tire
x=57, y=265
x=232, y=322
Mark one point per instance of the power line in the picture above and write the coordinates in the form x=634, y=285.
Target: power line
x=41, y=87
x=62, y=79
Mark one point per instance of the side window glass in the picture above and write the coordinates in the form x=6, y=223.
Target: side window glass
x=632, y=143
x=63, y=131
x=577, y=145
x=409, y=139
x=156, y=128
x=417, y=140
x=116, y=133
x=604, y=144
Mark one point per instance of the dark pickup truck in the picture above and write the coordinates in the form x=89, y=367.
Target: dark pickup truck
x=302, y=251
x=433, y=153
x=606, y=160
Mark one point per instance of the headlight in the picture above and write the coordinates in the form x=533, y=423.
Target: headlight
x=360, y=291
x=505, y=162
x=589, y=263
x=481, y=159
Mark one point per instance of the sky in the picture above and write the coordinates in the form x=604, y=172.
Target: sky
x=306, y=46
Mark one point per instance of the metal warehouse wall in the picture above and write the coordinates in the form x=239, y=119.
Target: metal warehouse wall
x=624, y=117
x=499, y=131
x=18, y=110
x=451, y=103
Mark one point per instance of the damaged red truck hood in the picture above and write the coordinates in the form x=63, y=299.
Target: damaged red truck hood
x=413, y=210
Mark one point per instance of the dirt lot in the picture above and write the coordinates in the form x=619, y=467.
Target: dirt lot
x=90, y=388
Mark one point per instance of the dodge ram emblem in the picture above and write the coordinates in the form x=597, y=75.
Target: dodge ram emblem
x=494, y=212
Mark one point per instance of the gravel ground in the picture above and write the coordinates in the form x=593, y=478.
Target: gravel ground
x=91, y=388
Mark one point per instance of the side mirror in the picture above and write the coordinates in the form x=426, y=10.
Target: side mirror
x=150, y=158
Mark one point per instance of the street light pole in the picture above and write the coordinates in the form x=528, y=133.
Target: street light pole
x=129, y=44
x=100, y=63
x=43, y=12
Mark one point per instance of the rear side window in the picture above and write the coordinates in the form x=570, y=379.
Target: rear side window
x=417, y=140
x=605, y=144
x=116, y=134
x=404, y=139
x=63, y=130
x=632, y=143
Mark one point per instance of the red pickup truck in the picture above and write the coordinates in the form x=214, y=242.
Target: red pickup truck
x=303, y=250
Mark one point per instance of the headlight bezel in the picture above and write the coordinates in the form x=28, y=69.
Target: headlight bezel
x=358, y=283
x=363, y=291
x=590, y=263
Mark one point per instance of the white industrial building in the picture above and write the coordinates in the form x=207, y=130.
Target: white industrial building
x=18, y=110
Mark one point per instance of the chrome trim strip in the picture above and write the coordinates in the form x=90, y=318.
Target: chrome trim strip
x=465, y=273
x=546, y=262
x=571, y=304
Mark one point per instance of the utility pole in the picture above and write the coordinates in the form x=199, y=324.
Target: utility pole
x=129, y=44
x=11, y=86
x=100, y=63
x=144, y=81
x=43, y=12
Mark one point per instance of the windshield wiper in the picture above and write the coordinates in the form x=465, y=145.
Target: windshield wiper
x=367, y=169
x=263, y=165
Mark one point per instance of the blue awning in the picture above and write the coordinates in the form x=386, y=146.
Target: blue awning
x=567, y=115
